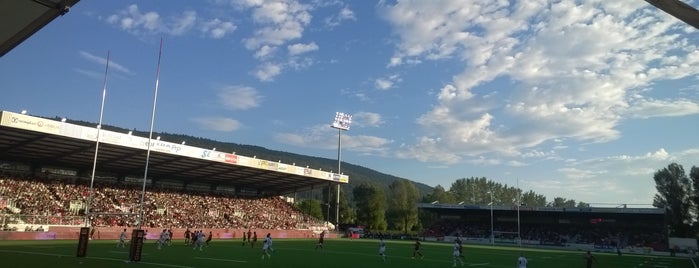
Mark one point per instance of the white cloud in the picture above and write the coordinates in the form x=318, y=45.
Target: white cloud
x=624, y=178
x=515, y=163
x=134, y=21
x=325, y=137
x=217, y=28
x=385, y=83
x=483, y=161
x=239, y=97
x=265, y=52
x=266, y=72
x=137, y=22
x=297, y=49
x=345, y=14
x=281, y=21
x=218, y=123
x=183, y=23
x=103, y=61
x=574, y=68
x=367, y=119
x=647, y=108
x=576, y=173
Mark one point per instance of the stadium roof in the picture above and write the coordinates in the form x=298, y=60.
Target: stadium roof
x=19, y=19
x=25, y=139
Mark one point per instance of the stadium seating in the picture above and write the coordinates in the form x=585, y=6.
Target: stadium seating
x=62, y=201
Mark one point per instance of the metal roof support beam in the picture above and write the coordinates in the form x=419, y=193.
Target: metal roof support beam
x=679, y=10
x=38, y=16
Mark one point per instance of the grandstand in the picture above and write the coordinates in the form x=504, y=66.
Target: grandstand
x=586, y=228
x=46, y=166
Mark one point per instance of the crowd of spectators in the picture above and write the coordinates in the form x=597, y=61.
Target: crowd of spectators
x=118, y=204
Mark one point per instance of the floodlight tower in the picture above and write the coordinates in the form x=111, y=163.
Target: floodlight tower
x=342, y=122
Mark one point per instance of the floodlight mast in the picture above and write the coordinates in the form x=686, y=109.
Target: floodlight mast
x=342, y=122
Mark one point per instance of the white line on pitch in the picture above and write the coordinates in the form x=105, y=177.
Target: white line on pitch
x=214, y=259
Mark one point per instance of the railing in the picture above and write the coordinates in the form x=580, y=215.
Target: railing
x=39, y=220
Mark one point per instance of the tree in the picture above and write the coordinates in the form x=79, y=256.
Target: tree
x=311, y=207
x=533, y=199
x=371, y=206
x=402, y=204
x=674, y=189
x=582, y=204
x=347, y=213
x=694, y=176
x=472, y=190
x=560, y=202
x=440, y=195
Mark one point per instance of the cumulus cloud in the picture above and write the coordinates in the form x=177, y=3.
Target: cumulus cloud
x=325, y=137
x=297, y=49
x=280, y=22
x=217, y=28
x=218, y=123
x=345, y=14
x=239, y=97
x=385, y=83
x=265, y=52
x=617, y=174
x=266, y=72
x=648, y=107
x=133, y=20
x=574, y=68
x=142, y=23
x=367, y=119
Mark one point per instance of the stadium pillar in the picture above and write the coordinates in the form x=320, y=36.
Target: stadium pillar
x=82, y=241
x=339, y=172
x=136, y=246
x=492, y=234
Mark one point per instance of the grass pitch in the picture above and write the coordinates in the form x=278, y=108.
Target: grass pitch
x=338, y=253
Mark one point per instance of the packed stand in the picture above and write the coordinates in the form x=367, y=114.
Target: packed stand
x=117, y=204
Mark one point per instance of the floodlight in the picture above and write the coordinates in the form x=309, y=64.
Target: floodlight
x=342, y=121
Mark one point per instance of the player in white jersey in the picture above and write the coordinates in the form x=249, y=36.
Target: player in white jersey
x=122, y=239
x=164, y=237
x=457, y=255
x=382, y=249
x=521, y=261
x=267, y=247
x=199, y=243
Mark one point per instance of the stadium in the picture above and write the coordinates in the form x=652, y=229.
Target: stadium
x=66, y=187
x=46, y=166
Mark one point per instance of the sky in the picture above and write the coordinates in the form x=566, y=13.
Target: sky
x=577, y=99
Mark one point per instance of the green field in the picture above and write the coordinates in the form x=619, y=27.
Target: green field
x=301, y=253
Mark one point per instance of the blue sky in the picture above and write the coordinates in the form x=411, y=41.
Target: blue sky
x=579, y=99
